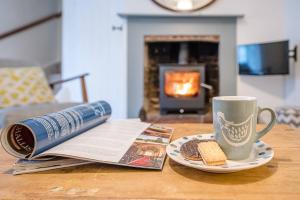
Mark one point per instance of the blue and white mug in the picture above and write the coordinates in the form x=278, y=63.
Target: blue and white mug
x=234, y=119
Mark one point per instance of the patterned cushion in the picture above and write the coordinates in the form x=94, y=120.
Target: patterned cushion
x=289, y=115
x=23, y=86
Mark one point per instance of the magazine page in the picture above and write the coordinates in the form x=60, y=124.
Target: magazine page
x=24, y=166
x=105, y=143
x=148, y=151
x=33, y=136
x=149, y=148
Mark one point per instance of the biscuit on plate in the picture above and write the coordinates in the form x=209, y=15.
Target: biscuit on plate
x=189, y=150
x=211, y=153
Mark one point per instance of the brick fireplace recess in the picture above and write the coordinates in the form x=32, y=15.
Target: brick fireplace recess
x=181, y=75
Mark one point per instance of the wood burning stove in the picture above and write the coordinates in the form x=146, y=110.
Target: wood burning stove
x=180, y=88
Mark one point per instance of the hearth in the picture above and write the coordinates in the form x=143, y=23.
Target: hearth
x=180, y=89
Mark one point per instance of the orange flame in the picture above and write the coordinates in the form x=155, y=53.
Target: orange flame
x=182, y=83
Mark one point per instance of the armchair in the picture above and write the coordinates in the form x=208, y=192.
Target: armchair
x=82, y=82
x=13, y=114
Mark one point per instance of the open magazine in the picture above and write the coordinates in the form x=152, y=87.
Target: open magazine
x=81, y=135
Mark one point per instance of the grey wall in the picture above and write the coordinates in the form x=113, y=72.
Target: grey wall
x=225, y=27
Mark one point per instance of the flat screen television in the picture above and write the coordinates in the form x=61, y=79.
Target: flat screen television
x=264, y=59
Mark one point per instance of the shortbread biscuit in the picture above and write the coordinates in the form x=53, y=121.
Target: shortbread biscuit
x=189, y=150
x=211, y=153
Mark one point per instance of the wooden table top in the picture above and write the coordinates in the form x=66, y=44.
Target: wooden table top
x=279, y=179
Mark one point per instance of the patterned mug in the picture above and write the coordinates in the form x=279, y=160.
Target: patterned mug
x=234, y=119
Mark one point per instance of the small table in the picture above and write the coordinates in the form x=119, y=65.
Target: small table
x=279, y=179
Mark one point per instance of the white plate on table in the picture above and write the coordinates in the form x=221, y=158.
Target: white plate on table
x=261, y=154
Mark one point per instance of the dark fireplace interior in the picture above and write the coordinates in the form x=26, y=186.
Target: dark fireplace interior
x=181, y=74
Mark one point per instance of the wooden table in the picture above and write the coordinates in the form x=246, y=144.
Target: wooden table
x=279, y=179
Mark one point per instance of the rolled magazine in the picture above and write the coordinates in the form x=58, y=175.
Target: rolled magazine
x=81, y=135
x=33, y=136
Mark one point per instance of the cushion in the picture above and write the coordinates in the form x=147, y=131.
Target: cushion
x=13, y=114
x=289, y=115
x=23, y=86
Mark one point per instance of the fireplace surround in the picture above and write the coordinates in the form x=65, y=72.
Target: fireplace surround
x=143, y=78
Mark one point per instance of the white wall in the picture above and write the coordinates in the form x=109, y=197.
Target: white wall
x=263, y=22
x=40, y=44
x=271, y=20
x=90, y=45
x=292, y=92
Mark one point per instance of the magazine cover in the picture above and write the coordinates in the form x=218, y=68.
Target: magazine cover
x=30, y=137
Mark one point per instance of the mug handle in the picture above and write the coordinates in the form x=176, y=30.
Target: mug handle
x=270, y=124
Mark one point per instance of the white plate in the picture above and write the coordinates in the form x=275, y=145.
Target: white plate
x=260, y=155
